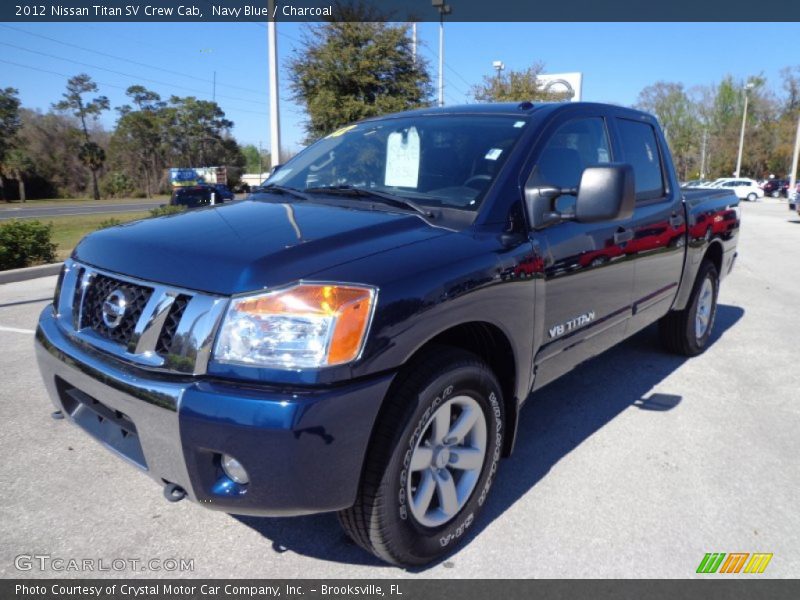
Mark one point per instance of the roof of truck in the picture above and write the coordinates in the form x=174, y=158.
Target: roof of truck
x=501, y=108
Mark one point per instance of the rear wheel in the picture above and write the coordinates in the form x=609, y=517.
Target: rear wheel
x=687, y=331
x=431, y=461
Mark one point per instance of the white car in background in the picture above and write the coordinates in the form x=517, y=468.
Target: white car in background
x=745, y=189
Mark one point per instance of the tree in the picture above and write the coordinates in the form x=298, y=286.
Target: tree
x=791, y=84
x=91, y=154
x=53, y=142
x=256, y=161
x=195, y=132
x=678, y=117
x=352, y=70
x=10, y=123
x=137, y=142
x=515, y=86
x=18, y=165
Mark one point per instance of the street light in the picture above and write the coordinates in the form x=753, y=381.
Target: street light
x=444, y=9
x=498, y=66
x=749, y=86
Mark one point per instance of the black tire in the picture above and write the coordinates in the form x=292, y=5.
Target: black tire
x=381, y=521
x=678, y=329
x=752, y=197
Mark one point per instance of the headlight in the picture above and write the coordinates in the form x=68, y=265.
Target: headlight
x=305, y=326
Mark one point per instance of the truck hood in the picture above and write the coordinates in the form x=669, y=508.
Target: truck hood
x=249, y=245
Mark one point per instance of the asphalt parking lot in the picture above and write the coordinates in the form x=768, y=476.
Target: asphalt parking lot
x=636, y=465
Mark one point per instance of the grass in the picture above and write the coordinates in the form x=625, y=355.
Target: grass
x=79, y=202
x=68, y=231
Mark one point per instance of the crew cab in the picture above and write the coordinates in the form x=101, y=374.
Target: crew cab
x=360, y=335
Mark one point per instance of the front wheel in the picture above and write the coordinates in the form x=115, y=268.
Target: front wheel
x=687, y=331
x=752, y=197
x=431, y=461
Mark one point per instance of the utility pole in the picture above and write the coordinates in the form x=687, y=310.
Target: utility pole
x=414, y=43
x=703, y=155
x=214, y=88
x=741, y=135
x=498, y=66
x=444, y=9
x=274, y=116
x=793, y=174
x=260, y=161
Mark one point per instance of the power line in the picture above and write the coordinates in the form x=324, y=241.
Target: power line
x=16, y=64
x=447, y=66
x=259, y=24
x=111, y=85
x=228, y=68
x=280, y=33
x=129, y=75
x=121, y=58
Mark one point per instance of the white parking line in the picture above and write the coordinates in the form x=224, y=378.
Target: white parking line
x=16, y=330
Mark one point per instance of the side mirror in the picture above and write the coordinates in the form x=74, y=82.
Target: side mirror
x=273, y=169
x=606, y=193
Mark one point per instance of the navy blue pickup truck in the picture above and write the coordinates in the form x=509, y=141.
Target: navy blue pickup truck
x=360, y=335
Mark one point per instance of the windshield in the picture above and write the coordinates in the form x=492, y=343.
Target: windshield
x=434, y=160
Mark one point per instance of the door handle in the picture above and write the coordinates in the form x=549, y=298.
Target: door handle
x=676, y=221
x=623, y=235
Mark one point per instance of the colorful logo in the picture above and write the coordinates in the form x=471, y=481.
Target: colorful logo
x=719, y=562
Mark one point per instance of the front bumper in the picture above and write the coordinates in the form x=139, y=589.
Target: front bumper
x=303, y=448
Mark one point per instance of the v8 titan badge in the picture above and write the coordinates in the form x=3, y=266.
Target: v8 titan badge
x=571, y=325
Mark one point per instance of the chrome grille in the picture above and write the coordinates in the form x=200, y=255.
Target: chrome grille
x=164, y=344
x=163, y=327
x=97, y=292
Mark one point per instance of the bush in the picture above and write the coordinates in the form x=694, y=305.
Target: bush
x=112, y=222
x=26, y=243
x=167, y=209
x=117, y=185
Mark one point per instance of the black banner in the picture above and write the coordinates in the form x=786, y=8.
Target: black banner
x=397, y=10
x=398, y=589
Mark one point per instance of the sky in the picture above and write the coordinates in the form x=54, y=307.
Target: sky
x=617, y=60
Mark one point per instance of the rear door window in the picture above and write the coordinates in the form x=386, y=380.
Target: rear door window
x=640, y=146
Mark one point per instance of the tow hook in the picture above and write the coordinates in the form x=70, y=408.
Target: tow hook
x=174, y=493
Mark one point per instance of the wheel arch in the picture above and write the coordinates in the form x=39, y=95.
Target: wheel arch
x=492, y=345
x=713, y=252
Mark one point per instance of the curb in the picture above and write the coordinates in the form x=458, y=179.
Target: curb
x=13, y=275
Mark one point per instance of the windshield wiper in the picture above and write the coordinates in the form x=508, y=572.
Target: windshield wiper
x=351, y=190
x=282, y=189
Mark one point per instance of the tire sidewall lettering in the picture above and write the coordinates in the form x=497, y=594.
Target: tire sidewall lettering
x=457, y=528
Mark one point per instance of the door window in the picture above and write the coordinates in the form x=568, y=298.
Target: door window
x=641, y=152
x=573, y=147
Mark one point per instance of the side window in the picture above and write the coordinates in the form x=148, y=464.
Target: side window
x=641, y=152
x=573, y=147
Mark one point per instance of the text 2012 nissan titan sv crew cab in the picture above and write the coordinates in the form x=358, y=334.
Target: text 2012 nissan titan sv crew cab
x=360, y=335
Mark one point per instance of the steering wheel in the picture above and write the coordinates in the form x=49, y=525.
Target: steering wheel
x=475, y=179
